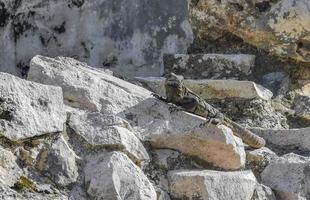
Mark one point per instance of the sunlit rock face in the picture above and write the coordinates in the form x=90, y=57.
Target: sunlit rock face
x=281, y=27
x=130, y=37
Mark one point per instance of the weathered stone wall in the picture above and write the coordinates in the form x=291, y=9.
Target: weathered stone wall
x=129, y=36
x=281, y=27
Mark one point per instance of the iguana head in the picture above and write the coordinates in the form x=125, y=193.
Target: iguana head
x=175, y=89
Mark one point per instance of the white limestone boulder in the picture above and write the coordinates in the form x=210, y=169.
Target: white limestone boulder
x=213, y=89
x=101, y=130
x=211, y=185
x=262, y=192
x=85, y=87
x=165, y=127
x=59, y=162
x=151, y=119
x=114, y=176
x=29, y=109
x=286, y=138
x=9, y=170
x=289, y=177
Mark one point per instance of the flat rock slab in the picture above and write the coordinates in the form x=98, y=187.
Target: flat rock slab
x=286, y=138
x=213, y=89
x=29, y=109
x=288, y=176
x=211, y=185
x=85, y=87
x=107, y=131
x=114, y=176
x=211, y=66
x=164, y=126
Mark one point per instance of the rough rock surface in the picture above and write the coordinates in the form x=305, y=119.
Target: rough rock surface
x=101, y=130
x=263, y=192
x=9, y=170
x=29, y=109
x=210, y=66
x=211, y=185
x=59, y=162
x=130, y=37
x=114, y=176
x=302, y=106
x=163, y=127
x=281, y=27
x=251, y=112
x=289, y=139
x=213, y=89
x=85, y=87
x=289, y=177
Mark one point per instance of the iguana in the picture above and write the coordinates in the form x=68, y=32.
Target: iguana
x=178, y=94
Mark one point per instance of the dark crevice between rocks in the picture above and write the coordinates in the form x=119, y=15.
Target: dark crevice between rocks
x=61, y=28
x=303, y=48
x=77, y=3
x=23, y=68
x=263, y=6
x=237, y=6
x=4, y=15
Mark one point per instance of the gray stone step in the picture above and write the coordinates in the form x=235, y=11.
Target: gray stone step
x=214, y=89
x=211, y=66
x=287, y=138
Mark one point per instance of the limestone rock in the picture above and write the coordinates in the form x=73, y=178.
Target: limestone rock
x=289, y=177
x=85, y=87
x=281, y=27
x=29, y=109
x=165, y=126
x=9, y=170
x=286, y=139
x=302, y=106
x=252, y=112
x=128, y=37
x=59, y=162
x=108, y=131
x=258, y=159
x=214, y=89
x=7, y=193
x=263, y=192
x=210, y=66
x=113, y=176
x=211, y=185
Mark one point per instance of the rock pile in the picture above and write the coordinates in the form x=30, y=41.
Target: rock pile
x=74, y=132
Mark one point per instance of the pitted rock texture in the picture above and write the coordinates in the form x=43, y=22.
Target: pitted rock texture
x=288, y=139
x=113, y=176
x=9, y=170
x=84, y=87
x=210, y=66
x=255, y=112
x=281, y=27
x=29, y=109
x=262, y=192
x=59, y=162
x=211, y=185
x=213, y=89
x=129, y=37
x=289, y=177
x=190, y=134
x=101, y=130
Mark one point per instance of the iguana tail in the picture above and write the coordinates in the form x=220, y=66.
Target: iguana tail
x=247, y=136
